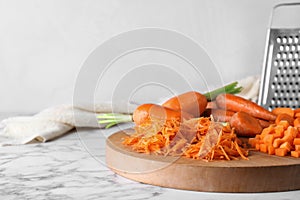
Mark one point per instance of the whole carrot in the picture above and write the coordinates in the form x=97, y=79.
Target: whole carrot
x=148, y=112
x=191, y=102
x=245, y=124
x=237, y=104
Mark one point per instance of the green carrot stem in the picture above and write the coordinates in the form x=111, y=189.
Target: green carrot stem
x=230, y=88
x=112, y=119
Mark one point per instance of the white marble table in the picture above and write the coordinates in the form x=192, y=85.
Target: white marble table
x=73, y=167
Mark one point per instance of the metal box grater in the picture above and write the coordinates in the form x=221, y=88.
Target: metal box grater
x=280, y=81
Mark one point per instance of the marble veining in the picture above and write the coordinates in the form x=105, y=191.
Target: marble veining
x=73, y=167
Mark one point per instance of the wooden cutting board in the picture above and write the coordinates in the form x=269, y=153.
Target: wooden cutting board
x=261, y=173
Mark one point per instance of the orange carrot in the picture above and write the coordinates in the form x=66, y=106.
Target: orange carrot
x=264, y=123
x=190, y=102
x=268, y=139
x=286, y=145
x=253, y=141
x=263, y=148
x=146, y=112
x=278, y=139
x=245, y=124
x=271, y=150
x=284, y=117
x=281, y=152
x=296, y=141
x=297, y=122
x=297, y=147
x=170, y=139
x=297, y=112
x=284, y=123
x=236, y=104
x=295, y=154
x=281, y=110
x=279, y=131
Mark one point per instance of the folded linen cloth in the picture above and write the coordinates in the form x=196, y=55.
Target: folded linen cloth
x=54, y=122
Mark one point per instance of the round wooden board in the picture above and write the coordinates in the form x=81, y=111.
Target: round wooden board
x=261, y=173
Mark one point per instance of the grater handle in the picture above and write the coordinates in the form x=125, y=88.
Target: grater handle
x=285, y=15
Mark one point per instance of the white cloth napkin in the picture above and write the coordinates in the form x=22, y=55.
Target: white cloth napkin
x=56, y=121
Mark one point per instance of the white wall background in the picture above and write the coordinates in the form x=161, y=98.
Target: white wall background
x=44, y=43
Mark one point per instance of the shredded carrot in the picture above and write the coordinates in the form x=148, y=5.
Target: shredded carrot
x=187, y=138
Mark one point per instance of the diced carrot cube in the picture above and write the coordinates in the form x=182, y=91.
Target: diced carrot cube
x=277, y=142
x=297, y=122
x=296, y=141
x=295, y=154
x=271, y=150
x=268, y=139
x=267, y=131
x=257, y=146
x=286, y=145
x=284, y=123
x=297, y=112
x=252, y=142
x=290, y=134
x=298, y=135
x=284, y=117
x=280, y=152
x=263, y=148
x=281, y=110
x=257, y=136
x=297, y=147
x=278, y=131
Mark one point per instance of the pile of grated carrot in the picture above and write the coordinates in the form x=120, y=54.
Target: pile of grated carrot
x=198, y=138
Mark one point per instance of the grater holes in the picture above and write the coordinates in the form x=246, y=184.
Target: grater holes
x=287, y=63
x=281, y=47
x=290, y=40
x=296, y=39
x=287, y=47
x=278, y=55
x=284, y=55
x=278, y=39
x=284, y=40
